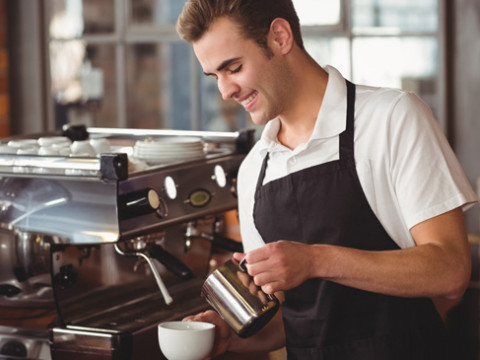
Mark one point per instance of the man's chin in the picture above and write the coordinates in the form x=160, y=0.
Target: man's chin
x=258, y=119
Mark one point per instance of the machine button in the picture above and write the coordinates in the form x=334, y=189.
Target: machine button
x=9, y=290
x=219, y=176
x=170, y=187
x=66, y=277
x=199, y=198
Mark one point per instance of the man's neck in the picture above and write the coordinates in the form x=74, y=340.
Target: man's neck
x=297, y=124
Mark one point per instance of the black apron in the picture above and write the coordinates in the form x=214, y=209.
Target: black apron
x=324, y=320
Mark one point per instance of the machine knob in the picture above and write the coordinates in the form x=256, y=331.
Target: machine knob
x=199, y=198
x=141, y=203
x=66, y=277
x=14, y=348
x=220, y=176
x=9, y=290
x=170, y=187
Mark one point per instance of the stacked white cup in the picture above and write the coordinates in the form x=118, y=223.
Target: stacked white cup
x=54, y=145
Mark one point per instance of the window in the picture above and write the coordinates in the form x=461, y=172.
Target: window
x=394, y=43
x=120, y=63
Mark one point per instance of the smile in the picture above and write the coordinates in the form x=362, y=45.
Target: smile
x=248, y=101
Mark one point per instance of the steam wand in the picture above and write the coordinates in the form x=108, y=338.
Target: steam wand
x=161, y=285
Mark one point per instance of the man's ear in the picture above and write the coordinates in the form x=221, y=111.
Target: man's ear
x=280, y=36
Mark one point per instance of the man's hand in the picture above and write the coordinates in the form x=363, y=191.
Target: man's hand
x=280, y=266
x=223, y=333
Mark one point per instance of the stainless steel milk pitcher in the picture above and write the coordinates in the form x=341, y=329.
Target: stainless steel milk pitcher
x=230, y=290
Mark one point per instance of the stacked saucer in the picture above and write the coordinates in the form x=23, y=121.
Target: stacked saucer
x=168, y=150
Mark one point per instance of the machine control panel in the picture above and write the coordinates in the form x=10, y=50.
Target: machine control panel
x=178, y=194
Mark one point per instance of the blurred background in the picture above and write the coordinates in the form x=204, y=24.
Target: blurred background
x=120, y=63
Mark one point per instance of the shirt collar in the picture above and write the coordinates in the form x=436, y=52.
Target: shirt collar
x=331, y=119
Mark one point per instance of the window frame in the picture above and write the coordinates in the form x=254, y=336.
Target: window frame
x=125, y=34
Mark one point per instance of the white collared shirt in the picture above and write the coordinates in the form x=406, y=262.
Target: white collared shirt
x=406, y=167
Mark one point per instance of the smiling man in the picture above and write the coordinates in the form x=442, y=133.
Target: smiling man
x=245, y=72
x=351, y=202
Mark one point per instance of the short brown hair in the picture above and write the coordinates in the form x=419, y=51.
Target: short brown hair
x=253, y=16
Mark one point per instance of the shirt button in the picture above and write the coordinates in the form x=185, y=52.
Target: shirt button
x=293, y=160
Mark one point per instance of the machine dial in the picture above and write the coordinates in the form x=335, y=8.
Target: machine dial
x=170, y=187
x=141, y=203
x=220, y=176
x=199, y=198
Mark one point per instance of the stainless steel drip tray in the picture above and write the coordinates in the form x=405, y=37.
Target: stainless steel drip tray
x=145, y=311
x=125, y=333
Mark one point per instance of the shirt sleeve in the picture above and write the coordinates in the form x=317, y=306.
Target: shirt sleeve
x=426, y=174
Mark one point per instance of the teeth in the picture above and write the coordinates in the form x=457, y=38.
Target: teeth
x=249, y=99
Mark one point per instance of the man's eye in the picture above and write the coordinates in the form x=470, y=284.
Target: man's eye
x=236, y=70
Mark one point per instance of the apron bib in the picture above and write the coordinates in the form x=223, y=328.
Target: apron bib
x=325, y=320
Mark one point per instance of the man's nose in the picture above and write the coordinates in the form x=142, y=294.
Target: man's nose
x=227, y=88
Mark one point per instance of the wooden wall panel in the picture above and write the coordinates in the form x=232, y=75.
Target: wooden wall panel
x=4, y=93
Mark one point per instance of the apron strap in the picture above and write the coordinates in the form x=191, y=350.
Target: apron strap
x=261, y=176
x=346, y=137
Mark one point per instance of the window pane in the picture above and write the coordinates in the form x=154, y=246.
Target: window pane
x=99, y=16
x=74, y=18
x=381, y=62
x=318, y=12
x=66, y=20
x=158, y=86
x=83, y=83
x=399, y=15
x=330, y=51
x=154, y=12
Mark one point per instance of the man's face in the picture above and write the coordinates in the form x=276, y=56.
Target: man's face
x=243, y=70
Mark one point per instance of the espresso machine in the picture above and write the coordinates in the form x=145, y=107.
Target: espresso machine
x=97, y=249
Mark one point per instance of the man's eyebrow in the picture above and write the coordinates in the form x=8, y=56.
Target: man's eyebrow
x=224, y=64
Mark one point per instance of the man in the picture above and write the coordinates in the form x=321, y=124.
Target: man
x=351, y=202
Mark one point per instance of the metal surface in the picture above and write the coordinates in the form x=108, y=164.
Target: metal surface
x=80, y=200
x=25, y=269
x=23, y=344
x=106, y=167
x=161, y=285
x=108, y=309
x=67, y=223
x=242, y=304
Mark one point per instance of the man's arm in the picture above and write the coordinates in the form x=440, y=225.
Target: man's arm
x=439, y=266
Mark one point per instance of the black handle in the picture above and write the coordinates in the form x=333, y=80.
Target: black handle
x=171, y=262
x=9, y=290
x=226, y=243
x=138, y=203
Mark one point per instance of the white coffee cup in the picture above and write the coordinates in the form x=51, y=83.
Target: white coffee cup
x=23, y=143
x=47, y=150
x=50, y=140
x=101, y=145
x=27, y=151
x=82, y=148
x=5, y=149
x=186, y=340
